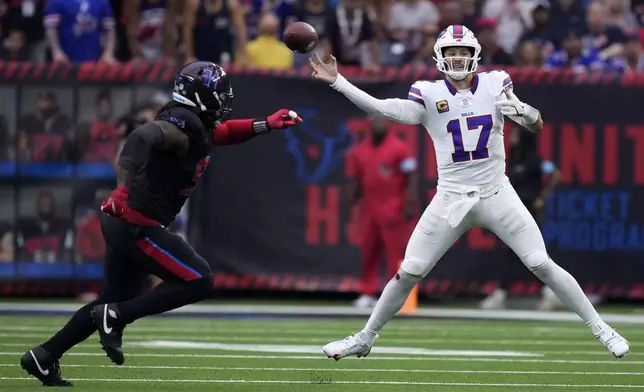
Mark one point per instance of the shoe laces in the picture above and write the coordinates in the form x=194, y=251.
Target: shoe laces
x=349, y=341
x=609, y=337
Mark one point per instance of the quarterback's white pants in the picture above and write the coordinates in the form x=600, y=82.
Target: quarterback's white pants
x=503, y=213
x=447, y=217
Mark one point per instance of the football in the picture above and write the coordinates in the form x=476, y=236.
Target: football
x=300, y=37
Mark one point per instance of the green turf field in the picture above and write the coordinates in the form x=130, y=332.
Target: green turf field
x=261, y=355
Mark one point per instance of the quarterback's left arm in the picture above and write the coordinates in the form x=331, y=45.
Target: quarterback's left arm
x=520, y=112
x=239, y=131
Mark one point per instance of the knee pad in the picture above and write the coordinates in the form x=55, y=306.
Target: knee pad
x=415, y=266
x=536, y=260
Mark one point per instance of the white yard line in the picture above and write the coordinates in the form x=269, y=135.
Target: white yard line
x=323, y=380
x=340, y=370
x=371, y=358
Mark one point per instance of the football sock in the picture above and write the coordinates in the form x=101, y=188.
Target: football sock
x=78, y=328
x=568, y=291
x=392, y=299
x=164, y=297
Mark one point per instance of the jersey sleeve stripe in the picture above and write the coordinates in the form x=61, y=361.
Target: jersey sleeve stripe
x=507, y=83
x=415, y=90
x=416, y=99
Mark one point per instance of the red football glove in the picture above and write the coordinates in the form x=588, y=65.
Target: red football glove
x=115, y=204
x=282, y=119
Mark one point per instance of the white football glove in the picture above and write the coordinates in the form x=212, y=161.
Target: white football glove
x=511, y=106
x=515, y=108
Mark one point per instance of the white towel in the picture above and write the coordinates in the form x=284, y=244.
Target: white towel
x=458, y=209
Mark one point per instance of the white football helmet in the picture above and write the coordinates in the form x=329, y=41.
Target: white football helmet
x=457, y=36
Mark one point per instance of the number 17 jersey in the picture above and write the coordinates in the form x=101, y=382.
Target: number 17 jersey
x=467, y=130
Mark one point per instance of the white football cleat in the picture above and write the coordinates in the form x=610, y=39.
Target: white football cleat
x=365, y=302
x=494, y=301
x=549, y=300
x=614, y=342
x=351, y=345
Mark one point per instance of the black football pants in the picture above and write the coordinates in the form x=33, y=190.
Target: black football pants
x=132, y=254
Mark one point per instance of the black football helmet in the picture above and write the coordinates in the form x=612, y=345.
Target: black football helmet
x=204, y=86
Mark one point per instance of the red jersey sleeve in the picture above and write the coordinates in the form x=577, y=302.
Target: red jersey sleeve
x=233, y=132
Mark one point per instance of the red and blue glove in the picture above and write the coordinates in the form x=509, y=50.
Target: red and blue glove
x=283, y=119
x=117, y=202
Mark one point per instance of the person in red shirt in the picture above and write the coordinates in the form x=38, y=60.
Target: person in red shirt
x=383, y=178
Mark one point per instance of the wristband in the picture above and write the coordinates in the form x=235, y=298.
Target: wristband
x=531, y=114
x=260, y=126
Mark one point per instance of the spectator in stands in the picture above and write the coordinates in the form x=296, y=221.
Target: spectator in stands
x=620, y=15
x=44, y=238
x=574, y=56
x=27, y=16
x=472, y=10
x=633, y=53
x=6, y=243
x=254, y=10
x=565, y=15
x=425, y=55
x=44, y=136
x=530, y=54
x=382, y=10
x=637, y=7
x=266, y=51
x=350, y=35
x=453, y=13
x=13, y=47
x=151, y=30
x=208, y=28
x=513, y=18
x=600, y=34
x=541, y=30
x=491, y=52
x=314, y=13
x=99, y=139
x=74, y=30
x=90, y=245
x=407, y=19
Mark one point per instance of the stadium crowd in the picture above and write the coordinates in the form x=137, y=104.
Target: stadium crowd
x=581, y=34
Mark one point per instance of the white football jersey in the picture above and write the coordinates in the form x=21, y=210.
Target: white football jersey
x=467, y=130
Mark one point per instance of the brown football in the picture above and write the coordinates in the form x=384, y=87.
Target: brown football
x=300, y=37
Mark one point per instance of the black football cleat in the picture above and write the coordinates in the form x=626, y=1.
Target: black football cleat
x=106, y=318
x=38, y=363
